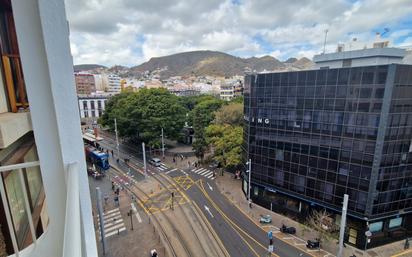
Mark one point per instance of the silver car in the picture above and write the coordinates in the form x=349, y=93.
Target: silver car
x=155, y=162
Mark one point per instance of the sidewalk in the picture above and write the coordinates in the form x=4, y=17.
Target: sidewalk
x=121, y=240
x=232, y=189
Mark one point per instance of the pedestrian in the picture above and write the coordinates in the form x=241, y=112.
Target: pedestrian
x=174, y=160
x=106, y=198
x=188, y=164
x=112, y=153
x=112, y=186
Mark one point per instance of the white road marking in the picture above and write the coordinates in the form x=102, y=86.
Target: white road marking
x=287, y=238
x=167, y=172
x=115, y=232
x=202, y=172
x=108, y=212
x=197, y=170
x=111, y=215
x=208, y=210
x=210, y=187
x=210, y=175
x=136, y=213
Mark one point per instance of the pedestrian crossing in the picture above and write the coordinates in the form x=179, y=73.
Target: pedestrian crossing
x=204, y=172
x=112, y=223
x=162, y=167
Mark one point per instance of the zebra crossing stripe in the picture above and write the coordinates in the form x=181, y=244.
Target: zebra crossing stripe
x=197, y=170
x=171, y=170
x=203, y=172
x=209, y=176
x=108, y=212
x=161, y=168
x=114, y=222
x=109, y=216
x=115, y=232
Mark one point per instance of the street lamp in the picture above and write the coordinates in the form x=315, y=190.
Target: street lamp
x=249, y=163
x=163, y=145
x=117, y=139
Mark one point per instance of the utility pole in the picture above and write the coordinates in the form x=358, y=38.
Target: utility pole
x=343, y=224
x=163, y=145
x=144, y=159
x=131, y=217
x=249, y=163
x=100, y=210
x=117, y=139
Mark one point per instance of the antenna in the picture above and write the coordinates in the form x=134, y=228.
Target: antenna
x=324, y=42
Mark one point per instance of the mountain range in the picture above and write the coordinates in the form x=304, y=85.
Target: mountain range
x=204, y=63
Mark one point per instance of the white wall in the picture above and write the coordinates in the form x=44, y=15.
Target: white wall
x=43, y=38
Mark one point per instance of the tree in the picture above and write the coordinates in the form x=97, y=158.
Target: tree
x=202, y=115
x=227, y=142
x=231, y=114
x=323, y=223
x=144, y=113
x=239, y=100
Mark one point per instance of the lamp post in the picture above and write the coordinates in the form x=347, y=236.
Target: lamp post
x=117, y=138
x=249, y=163
x=163, y=145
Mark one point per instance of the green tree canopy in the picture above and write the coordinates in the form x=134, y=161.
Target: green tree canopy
x=142, y=114
x=231, y=114
x=227, y=142
x=202, y=115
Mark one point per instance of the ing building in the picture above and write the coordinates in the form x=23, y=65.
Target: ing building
x=85, y=83
x=45, y=208
x=316, y=135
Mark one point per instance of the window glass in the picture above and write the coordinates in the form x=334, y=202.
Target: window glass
x=396, y=222
x=33, y=176
x=376, y=226
x=16, y=203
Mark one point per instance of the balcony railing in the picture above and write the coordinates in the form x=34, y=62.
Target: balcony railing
x=14, y=82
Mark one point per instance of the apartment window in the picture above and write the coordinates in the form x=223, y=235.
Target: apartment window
x=93, y=113
x=10, y=60
x=92, y=105
x=99, y=104
x=85, y=105
x=23, y=151
x=86, y=114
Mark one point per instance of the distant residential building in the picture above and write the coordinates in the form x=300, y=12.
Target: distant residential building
x=185, y=92
x=231, y=90
x=85, y=83
x=114, y=86
x=101, y=82
x=91, y=106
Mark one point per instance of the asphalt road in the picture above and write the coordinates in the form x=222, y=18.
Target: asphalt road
x=240, y=235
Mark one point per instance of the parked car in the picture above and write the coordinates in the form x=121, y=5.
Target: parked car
x=313, y=244
x=287, y=230
x=265, y=219
x=155, y=162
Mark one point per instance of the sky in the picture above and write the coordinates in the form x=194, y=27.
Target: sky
x=130, y=32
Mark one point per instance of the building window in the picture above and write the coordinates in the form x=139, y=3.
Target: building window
x=93, y=113
x=99, y=104
x=86, y=114
x=376, y=226
x=92, y=105
x=396, y=222
x=85, y=105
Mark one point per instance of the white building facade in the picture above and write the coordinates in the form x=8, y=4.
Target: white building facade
x=114, y=86
x=92, y=107
x=42, y=161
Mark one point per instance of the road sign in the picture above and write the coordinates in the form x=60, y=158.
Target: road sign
x=368, y=233
x=270, y=234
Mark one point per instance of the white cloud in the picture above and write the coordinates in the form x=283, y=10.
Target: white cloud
x=129, y=32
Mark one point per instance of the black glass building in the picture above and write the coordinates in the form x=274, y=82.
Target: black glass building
x=316, y=135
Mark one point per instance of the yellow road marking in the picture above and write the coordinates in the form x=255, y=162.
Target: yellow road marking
x=201, y=187
x=211, y=229
x=261, y=227
x=402, y=253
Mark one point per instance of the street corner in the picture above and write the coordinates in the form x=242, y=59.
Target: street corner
x=185, y=182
